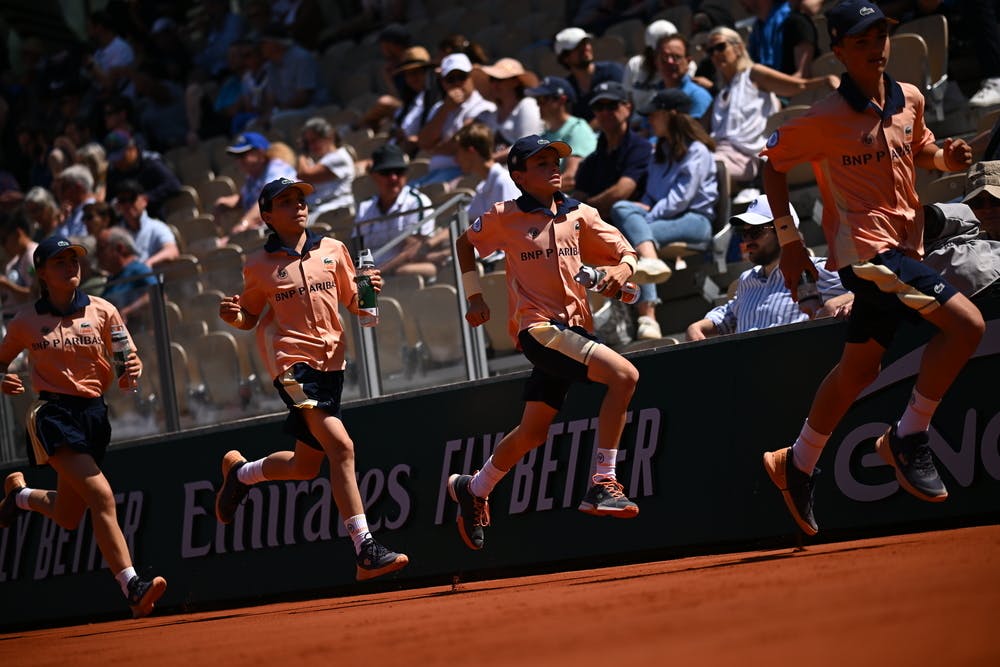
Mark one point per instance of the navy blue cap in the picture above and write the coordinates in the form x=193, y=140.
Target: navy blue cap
x=54, y=245
x=609, y=90
x=852, y=17
x=276, y=187
x=554, y=86
x=389, y=157
x=667, y=100
x=525, y=147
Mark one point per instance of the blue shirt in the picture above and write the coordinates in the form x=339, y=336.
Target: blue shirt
x=762, y=302
x=603, y=71
x=701, y=99
x=673, y=188
x=121, y=291
x=767, y=37
x=151, y=236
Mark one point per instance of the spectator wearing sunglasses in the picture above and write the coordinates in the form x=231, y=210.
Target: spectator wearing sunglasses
x=761, y=299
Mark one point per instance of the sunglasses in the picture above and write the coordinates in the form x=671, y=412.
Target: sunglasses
x=610, y=105
x=716, y=48
x=456, y=78
x=754, y=232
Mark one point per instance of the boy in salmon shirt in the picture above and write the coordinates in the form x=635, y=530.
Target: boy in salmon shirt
x=864, y=141
x=547, y=236
x=294, y=285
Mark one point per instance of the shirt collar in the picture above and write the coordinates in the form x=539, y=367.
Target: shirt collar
x=274, y=244
x=894, y=99
x=564, y=204
x=80, y=301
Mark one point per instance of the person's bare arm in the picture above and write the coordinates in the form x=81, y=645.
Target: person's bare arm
x=786, y=85
x=701, y=330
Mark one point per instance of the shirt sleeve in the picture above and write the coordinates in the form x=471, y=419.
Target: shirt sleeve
x=723, y=317
x=338, y=163
x=793, y=143
x=688, y=179
x=485, y=233
x=601, y=244
x=254, y=297
x=347, y=288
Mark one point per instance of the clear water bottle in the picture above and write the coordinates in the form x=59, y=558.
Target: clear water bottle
x=367, y=298
x=808, y=295
x=589, y=277
x=120, y=349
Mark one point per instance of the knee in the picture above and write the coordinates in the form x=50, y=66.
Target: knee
x=341, y=451
x=625, y=377
x=858, y=377
x=620, y=211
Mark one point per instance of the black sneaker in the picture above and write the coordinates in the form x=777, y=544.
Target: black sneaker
x=233, y=491
x=911, y=457
x=473, y=511
x=143, y=594
x=375, y=560
x=796, y=487
x=8, y=506
x=607, y=498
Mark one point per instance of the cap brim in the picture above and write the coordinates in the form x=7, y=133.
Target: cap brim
x=613, y=98
x=539, y=91
x=750, y=218
x=390, y=166
x=864, y=24
x=991, y=189
x=406, y=67
x=239, y=150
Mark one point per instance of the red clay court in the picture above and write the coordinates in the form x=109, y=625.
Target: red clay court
x=920, y=598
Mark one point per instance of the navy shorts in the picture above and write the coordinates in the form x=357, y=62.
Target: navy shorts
x=560, y=355
x=60, y=420
x=302, y=387
x=888, y=289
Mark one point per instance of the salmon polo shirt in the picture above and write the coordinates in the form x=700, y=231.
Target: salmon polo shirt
x=301, y=293
x=863, y=158
x=69, y=353
x=544, y=252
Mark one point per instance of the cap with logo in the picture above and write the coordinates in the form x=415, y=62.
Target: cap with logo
x=525, y=147
x=609, y=90
x=852, y=17
x=669, y=99
x=759, y=213
x=276, y=187
x=54, y=245
x=247, y=142
x=570, y=38
x=555, y=86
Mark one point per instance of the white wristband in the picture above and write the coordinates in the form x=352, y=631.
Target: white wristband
x=785, y=228
x=939, y=162
x=470, y=281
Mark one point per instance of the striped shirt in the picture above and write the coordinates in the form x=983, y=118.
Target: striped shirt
x=763, y=302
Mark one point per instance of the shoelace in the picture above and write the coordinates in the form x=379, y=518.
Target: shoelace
x=480, y=512
x=613, y=487
x=921, y=457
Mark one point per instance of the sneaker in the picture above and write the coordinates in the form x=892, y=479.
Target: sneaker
x=651, y=271
x=911, y=457
x=607, y=498
x=796, y=487
x=143, y=594
x=473, y=511
x=233, y=491
x=8, y=506
x=988, y=95
x=648, y=328
x=375, y=560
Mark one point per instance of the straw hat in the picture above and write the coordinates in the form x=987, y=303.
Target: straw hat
x=509, y=68
x=415, y=57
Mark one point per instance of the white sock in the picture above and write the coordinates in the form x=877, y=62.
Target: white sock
x=606, y=463
x=124, y=577
x=357, y=528
x=251, y=472
x=21, y=499
x=807, y=448
x=483, y=481
x=917, y=416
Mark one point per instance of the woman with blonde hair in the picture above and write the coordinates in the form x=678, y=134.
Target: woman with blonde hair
x=747, y=97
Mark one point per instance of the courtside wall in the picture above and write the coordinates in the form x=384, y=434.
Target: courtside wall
x=691, y=457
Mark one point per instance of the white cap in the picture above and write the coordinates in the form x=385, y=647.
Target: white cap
x=455, y=61
x=570, y=38
x=759, y=213
x=657, y=30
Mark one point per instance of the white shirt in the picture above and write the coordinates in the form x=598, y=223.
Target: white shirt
x=472, y=109
x=740, y=113
x=377, y=234
x=496, y=187
x=524, y=119
x=336, y=192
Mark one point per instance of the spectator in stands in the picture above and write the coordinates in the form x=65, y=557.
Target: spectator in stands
x=119, y=114
x=108, y=67
x=517, y=114
x=459, y=43
x=129, y=278
x=161, y=111
x=253, y=83
x=673, y=62
x=397, y=208
x=326, y=165
x=99, y=215
x=761, y=299
x=555, y=98
x=129, y=163
x=221, y=28
x=642, y=76
x=982, y=17
x=678, y=202
x=461, y=105
x=575, y=51
x=409, y=78
x=153, y=239
x=419, y=94
x=42, y=210
x=303, y=20
x=93, y=156
x=475, y=157
x=749, y=95
x=74, y=188
x=17, y=284
x=292, y=74
x=782, y=37
x=616, y=170
x=250, y=148
x=983, y=196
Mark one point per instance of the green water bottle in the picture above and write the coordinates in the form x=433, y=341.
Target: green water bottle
x=367, y=298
